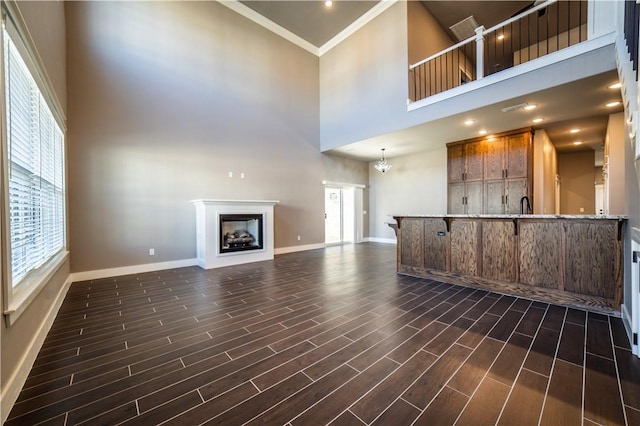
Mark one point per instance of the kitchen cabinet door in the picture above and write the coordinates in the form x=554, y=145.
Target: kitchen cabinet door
x=494, y=196
x=515, y=190
x=517, y=155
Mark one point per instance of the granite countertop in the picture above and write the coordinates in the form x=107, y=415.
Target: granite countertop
x=514, y=216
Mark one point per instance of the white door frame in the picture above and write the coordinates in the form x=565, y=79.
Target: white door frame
x=358, y=201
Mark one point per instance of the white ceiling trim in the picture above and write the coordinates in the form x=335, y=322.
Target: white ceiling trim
x=356, y=25
x=254, y=16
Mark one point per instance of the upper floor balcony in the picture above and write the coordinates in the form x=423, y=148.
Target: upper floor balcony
x=546, y=28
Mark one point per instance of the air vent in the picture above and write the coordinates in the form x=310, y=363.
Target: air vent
x=465, y=28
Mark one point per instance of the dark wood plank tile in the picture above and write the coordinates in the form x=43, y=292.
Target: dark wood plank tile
x=167, y=411
x=347, y=419
x=572, y=343
x=576, y=316
x=484, y=408
x=554, y=318
x=599, y=338
x=331, y=406
x=508, y=363
x=629, y=374
x=525, y=401
x=530, y=322
x=382, y=348
x=503, y=329
x=406, y=350
x=469, y=376
x=428, y=385
x=602, y=403
x=448, y=337
x=215, y=406
x=444, y=409
x=563, y=404
x=619, y=333
x=542, y=353
x=478, y=331
x=399, y=413
x=255, y=405
x=296, y=404
x=380, y=397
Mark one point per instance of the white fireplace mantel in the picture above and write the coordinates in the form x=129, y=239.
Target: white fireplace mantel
x=208, y=236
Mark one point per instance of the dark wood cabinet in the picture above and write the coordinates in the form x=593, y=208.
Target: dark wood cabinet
x=501, y=163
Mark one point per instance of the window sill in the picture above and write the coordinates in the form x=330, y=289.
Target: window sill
x=21, y=297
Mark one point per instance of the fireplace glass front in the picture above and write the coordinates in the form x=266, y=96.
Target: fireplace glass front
x=240, y=232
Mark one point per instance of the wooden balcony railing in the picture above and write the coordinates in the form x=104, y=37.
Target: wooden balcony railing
x=544, y=29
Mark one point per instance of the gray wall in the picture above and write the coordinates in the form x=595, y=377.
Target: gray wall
x=164, y=100
x=416, y=184
x=46, y=24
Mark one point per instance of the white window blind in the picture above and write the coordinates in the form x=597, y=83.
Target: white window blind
x=36, y=169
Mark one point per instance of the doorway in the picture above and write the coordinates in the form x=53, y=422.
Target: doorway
x=333, y=228
x=342, y=213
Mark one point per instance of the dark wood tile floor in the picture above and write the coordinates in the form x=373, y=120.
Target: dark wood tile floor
x=329, y=336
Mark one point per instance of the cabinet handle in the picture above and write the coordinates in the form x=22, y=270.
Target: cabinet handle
x=464, y=175
x=506, y=173
x=503, y=176
x=503, y=199
x=506, y=199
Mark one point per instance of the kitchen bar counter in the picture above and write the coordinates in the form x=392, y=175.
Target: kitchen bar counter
x=565, y=259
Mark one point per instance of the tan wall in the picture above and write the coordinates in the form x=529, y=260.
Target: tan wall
x=21, y=342
x=545, y=168
x=615, y=149
x=577, y=186
x=163, y=108
x=425, y=35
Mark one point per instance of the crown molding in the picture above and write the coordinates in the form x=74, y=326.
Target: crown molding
x=254, y=16
x=356, y=25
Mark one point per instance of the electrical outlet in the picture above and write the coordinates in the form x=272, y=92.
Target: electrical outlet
x=581, y=209
x=298, y=237
x=152, y=252
x=230, y=174
x=242, y=175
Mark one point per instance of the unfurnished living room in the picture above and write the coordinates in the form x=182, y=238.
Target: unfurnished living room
x=320, y=212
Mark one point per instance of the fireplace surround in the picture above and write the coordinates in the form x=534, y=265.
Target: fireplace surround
x=232, y=232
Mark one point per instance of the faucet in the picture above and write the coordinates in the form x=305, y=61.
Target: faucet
x=522, y=200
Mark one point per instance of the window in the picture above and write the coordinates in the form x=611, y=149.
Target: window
x=35, y=169
x=33, y=251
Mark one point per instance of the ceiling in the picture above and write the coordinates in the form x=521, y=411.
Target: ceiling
x=575, y=105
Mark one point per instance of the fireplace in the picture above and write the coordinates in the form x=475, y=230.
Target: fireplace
x=241, y=232
x=232, y=232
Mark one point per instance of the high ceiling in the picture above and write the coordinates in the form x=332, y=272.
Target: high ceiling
x=578, y=105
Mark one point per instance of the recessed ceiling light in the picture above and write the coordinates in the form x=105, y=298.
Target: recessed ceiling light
x=576, y=130
x=530, y=107
x=501, y=37
x=538, y=120
x=612, y=104
x=577, y=143
x=483, y=132
x=615, y=85
x=328, y=3
x=469, y=122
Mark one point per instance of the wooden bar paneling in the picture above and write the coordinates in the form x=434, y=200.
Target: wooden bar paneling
x=465, y=246
x=539, y=248
x=499, y=250
x=592, y=263
x=571, y=261
x=412, y=242
x=435, y=244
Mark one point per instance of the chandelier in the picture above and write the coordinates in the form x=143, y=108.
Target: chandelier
x=382, y=165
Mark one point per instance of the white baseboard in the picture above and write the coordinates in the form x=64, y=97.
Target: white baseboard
x=15, y=383
x=134, y=269
x=628, y=327
x=293, y=249
x=381, y=240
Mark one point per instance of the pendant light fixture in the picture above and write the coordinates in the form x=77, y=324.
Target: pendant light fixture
x=382, y=165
